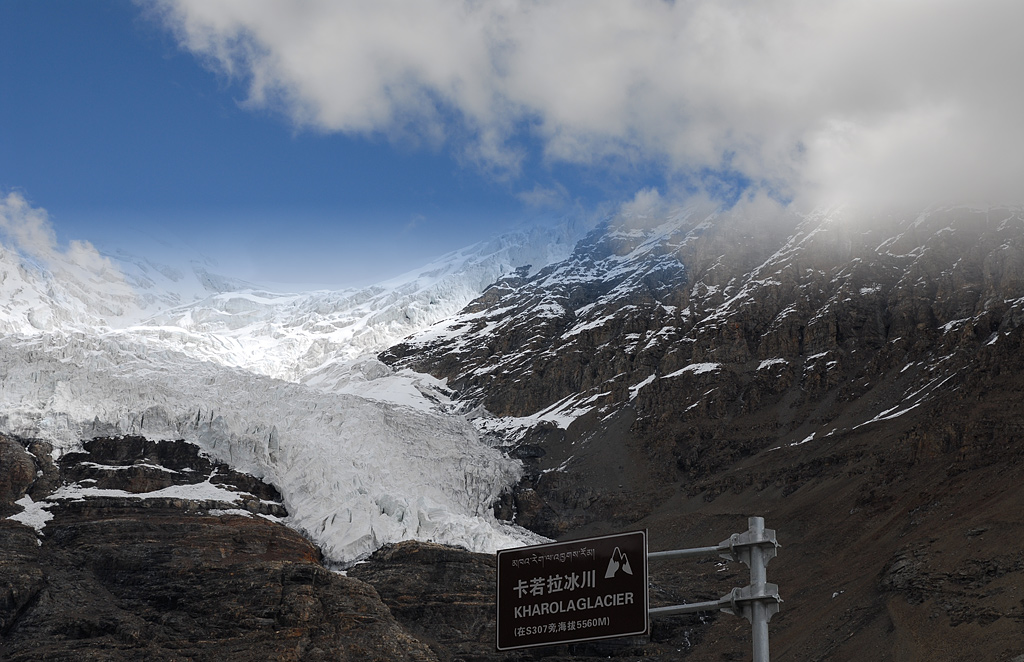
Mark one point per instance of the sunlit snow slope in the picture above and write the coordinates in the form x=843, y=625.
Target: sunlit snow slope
x=282, y=385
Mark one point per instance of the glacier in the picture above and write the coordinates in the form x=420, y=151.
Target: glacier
x=283, y=386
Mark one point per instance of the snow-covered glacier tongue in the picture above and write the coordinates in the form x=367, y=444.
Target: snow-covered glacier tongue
x=355, y=473
x=281, y=386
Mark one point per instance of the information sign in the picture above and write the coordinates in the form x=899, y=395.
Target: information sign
x=581, y=590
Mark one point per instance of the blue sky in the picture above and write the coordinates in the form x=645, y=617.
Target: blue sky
x=336, y=143
x=116, y=132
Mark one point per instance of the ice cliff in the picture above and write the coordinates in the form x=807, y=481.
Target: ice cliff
x=284, y=386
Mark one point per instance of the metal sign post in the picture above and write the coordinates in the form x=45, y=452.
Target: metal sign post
x=596, y=588
x=757, y=602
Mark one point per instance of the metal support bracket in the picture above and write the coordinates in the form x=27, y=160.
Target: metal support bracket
x=741, y=546
x=739, y=601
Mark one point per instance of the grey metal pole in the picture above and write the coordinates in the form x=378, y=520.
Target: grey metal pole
x=693, y=552
x=758, y=579
x=757, y=602
x=692, y=608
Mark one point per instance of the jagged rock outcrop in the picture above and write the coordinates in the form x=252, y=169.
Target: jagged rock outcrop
x=154, y=552
x=804, y=292
x=721, y=338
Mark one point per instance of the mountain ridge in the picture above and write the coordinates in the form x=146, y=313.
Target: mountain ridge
x=230, y=370
x=848, y=379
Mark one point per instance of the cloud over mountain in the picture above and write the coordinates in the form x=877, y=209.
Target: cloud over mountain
x=846, y=100
x=29, y=230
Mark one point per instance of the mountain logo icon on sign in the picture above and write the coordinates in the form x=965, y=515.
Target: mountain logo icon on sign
x=618, y=561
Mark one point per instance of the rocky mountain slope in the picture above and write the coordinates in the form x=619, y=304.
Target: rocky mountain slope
x=855, y=380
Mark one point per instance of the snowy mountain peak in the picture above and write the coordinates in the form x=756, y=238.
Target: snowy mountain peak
x=284, y=386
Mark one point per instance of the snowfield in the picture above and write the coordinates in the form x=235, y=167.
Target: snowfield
x=285, y=387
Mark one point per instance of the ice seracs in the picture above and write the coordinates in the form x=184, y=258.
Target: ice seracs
x=284, y=386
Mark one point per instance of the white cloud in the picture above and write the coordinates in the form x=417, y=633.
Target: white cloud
x=29, y=231
x=415, y=221
x=554, y=197
x=862, y=99
x=27, y=227
x=646, y=203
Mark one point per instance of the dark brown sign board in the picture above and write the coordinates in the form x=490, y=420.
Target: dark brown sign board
x=580, y=590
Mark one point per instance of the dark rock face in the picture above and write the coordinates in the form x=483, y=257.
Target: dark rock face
x=174, y=577
x=444, y=596
x=542, y=329
x=856, y=382
x=17, y=472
